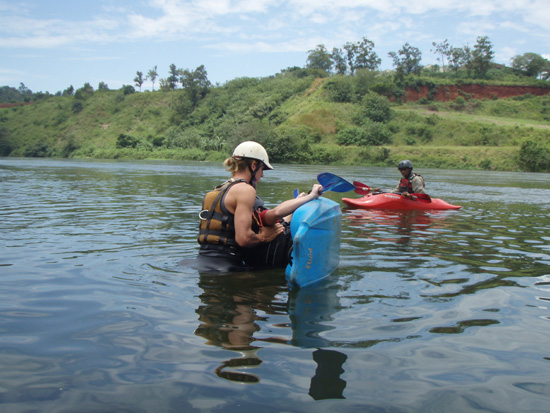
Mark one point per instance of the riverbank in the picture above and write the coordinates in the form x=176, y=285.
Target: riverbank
x=302, y=120
x=443, y=157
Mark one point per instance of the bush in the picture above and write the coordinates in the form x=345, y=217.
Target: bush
x=253, y=130
x=286, y=149
x=340, y=89
x=370, y=134
x=458, y=104
x=126, y=141
x=410, y=141
x=376, y=108
x=183, y=138
x=425, y=133
x=156, y=141
x=325, y=156
x=534, y=156
x=68, y=148
x=377, y=133
x=84, y=92
x=432, y=120
x=5, y=146
x=265, y=106
x=37, y=151
x=363, y=80
x=523, y=97
x=349, y=136
x=486, y=164
x=77, y=106
x=181, y=107
x=127, y=89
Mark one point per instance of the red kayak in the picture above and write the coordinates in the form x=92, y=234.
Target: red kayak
x=396, y=201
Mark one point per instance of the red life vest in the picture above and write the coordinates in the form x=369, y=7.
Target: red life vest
x=405, y=184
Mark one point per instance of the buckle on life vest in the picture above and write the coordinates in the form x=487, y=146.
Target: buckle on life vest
x=200, y=214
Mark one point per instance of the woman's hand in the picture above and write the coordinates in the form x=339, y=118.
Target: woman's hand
x=269, y=233
x=316, y=190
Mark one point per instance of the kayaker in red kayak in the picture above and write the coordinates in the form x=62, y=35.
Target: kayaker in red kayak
x=409, y=194
x=411, y=183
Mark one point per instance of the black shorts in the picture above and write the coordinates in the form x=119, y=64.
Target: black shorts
x=274, y=254
x=212, y=261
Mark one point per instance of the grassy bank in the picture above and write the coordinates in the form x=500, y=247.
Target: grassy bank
x=299, y=119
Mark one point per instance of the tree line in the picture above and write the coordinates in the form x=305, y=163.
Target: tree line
x=474, y=61
x=463, y=61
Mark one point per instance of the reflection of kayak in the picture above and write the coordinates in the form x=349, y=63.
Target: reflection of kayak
x=395, y=201
x=310, y=311
x=315, y=229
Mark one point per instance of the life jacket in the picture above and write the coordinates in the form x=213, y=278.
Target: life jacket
x=405, y=184
x=217, y=224
x=217, y=232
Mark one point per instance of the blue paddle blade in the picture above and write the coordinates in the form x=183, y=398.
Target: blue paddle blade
x=334, y=183
x=296, y=193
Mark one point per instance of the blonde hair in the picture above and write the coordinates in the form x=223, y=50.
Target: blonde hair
x=234, y=165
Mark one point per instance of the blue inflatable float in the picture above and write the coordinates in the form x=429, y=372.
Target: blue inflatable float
x=315, y=230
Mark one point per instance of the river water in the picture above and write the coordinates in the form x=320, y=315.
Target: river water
x=102, y=310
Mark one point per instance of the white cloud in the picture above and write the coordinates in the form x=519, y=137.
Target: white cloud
x=475, y=28
x=35, y=33
x=217, y=32
x=13, y=76
x=506, y=54
x=285, y=22
x=92, y=58
x=538, y=13
x=264, y=47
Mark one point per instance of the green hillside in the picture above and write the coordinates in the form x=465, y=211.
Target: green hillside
x=298, y=117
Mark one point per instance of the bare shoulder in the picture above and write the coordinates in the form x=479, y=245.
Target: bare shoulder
x=241, y=193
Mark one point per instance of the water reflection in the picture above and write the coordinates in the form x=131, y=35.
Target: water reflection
x=327, y=384
x=402, y=224
x=311, y=312
x=229, y=317
x=230, y=310
x=426, y=310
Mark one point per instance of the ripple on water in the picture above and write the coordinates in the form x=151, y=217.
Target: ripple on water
x=426, y=309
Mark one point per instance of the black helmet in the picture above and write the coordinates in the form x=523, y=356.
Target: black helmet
x=405, y=164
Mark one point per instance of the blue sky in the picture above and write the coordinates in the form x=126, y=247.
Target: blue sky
x=52, y=44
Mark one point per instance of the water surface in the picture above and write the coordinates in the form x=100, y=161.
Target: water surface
x=101, y=309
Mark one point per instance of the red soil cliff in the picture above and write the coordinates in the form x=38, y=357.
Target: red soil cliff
x=472, y=91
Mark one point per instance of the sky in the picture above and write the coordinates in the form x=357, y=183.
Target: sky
x=50, y=45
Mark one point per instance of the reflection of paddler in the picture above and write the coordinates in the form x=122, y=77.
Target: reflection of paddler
x=236, y=235
x=228, y=317
x=249, y=359
x=327, y=384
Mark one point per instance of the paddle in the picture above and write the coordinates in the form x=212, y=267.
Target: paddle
x=361, y=188
x=421, y=197
x=334, y=183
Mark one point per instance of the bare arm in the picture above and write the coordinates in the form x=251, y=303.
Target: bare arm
x=288, y=207
x=240, y=200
